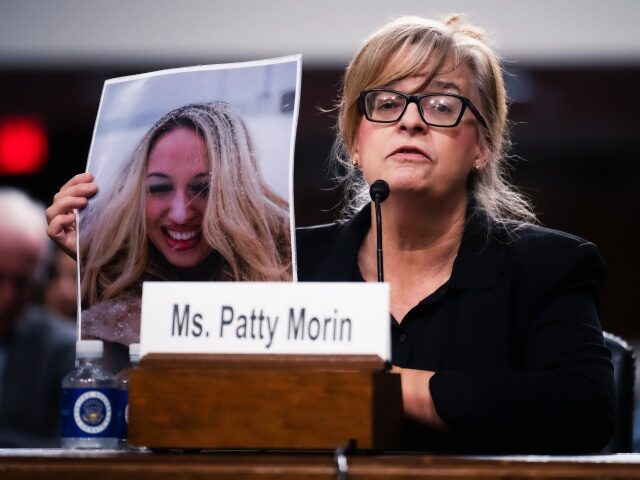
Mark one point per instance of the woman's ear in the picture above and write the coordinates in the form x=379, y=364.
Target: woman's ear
x=482, y=156
x=355, y=159
x=354, y=155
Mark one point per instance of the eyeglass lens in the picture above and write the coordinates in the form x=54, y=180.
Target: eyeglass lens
x=385, y=106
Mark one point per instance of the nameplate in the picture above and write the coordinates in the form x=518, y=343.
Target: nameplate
x=266, y=317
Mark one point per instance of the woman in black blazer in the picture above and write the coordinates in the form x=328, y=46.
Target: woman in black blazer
x=495, y=328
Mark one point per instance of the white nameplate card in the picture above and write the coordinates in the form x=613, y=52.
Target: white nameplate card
x=266, y=317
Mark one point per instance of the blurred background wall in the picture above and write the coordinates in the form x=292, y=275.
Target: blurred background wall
x=573, y=74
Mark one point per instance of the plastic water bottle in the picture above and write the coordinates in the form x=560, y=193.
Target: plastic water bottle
x=88, y=401
x=122, y=382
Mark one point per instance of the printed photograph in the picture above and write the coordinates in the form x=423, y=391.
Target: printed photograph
x=194, y=172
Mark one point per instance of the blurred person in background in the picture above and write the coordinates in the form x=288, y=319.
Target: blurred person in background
x=37, y=348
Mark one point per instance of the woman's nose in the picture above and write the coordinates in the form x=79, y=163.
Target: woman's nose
x=180, y=209
x=411, y=119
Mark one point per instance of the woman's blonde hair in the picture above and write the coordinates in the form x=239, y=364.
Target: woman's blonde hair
x=400, y=50
x=245, y=221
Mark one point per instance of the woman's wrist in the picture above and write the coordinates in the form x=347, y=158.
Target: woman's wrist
x=416, y=397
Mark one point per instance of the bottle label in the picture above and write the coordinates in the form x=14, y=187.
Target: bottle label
x=123, y=413
x=88, y=412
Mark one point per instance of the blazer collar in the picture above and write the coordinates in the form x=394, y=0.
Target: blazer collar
x=480, y=262
x=481, y=259
x=350, y=236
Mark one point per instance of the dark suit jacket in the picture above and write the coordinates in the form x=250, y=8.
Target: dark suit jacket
x=40, y=354
x=527, y=370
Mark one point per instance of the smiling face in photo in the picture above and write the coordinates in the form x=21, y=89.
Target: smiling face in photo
x=177, y=190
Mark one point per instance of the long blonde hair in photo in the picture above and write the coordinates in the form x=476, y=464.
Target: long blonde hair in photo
x=246, y=222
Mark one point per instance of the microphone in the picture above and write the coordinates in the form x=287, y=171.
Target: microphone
x=379, y=192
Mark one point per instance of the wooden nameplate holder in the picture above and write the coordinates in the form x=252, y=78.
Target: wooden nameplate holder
x=264, y=402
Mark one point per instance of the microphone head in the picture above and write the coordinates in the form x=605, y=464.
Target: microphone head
x=379, y=191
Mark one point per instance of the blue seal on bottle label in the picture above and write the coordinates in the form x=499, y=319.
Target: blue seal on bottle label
x=88, y=412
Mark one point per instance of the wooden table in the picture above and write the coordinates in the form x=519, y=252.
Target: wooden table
x=70, y=465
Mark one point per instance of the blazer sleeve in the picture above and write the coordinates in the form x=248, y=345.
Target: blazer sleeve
x=560, y=399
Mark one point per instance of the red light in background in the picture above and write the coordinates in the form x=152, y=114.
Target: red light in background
x=23, y=145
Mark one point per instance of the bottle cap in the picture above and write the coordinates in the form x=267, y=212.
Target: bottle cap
x=89, y=349
x=134, y=352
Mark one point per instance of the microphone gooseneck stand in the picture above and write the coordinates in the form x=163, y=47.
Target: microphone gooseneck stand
x=379, y=192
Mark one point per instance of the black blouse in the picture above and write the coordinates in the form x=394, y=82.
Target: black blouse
x=513, y=336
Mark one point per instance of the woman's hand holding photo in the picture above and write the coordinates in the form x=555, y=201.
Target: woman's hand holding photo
x=61, y=217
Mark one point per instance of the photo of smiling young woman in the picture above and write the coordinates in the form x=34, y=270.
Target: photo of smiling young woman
x=177, y=190
x=191, y=205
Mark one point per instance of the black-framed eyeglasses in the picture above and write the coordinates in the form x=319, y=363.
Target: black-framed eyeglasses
x=436, y=109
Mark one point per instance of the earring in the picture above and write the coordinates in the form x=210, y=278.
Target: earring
x=354, y=162
x=476, y=167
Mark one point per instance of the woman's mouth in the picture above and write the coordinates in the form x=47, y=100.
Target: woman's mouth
x=182, y=239
x=409, y=153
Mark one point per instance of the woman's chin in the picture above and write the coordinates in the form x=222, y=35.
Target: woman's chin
x=186, y=261
x=404, y=180
x=408, y=186
x=428, y=189
x=186, y=258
